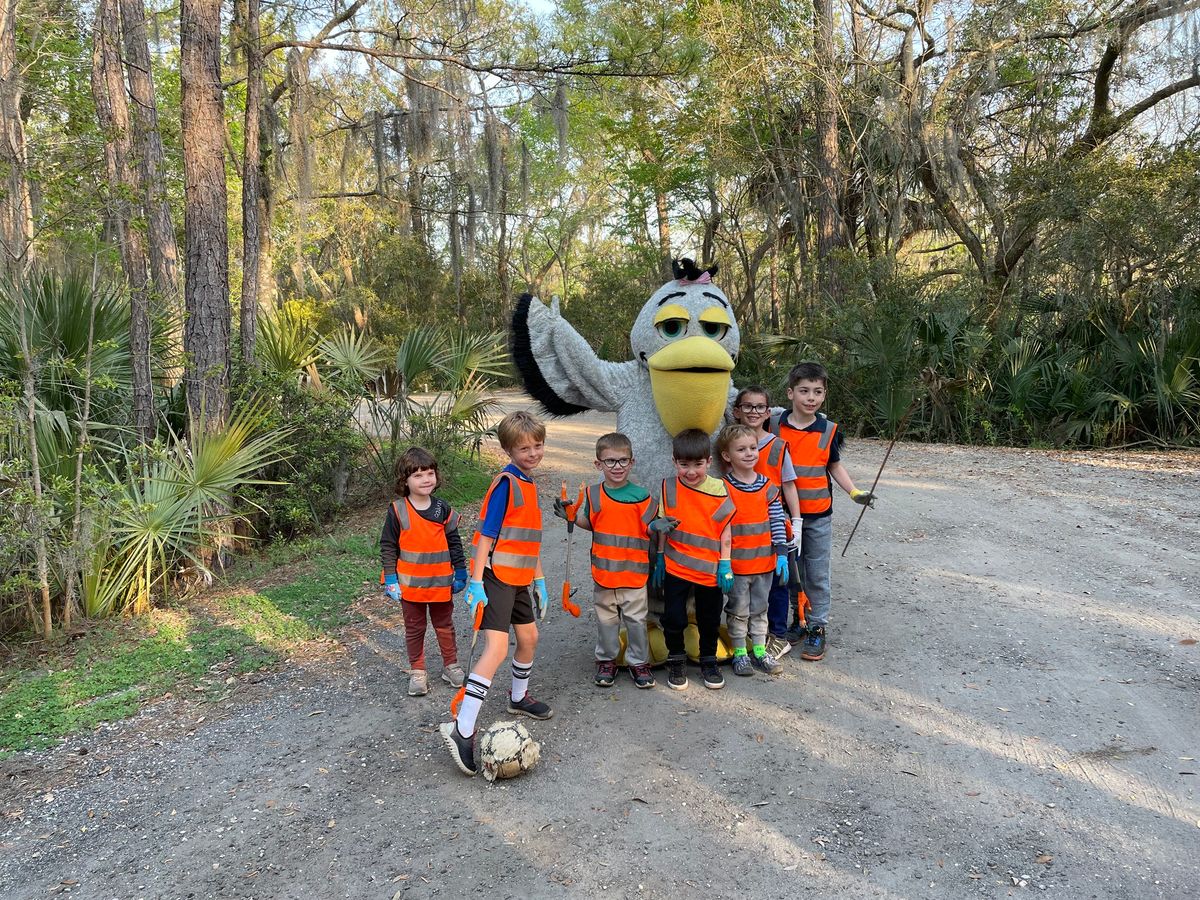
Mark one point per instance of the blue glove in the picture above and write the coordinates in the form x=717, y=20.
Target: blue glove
x=781, y=565
x=539, y=598
x=725, y=576
x=391, y=587
x=660, y=570
x=460, y=581
x=476, y=597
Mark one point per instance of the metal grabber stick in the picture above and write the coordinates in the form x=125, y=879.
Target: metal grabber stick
x=567, y=603
x=462, y=691
x=899, y=431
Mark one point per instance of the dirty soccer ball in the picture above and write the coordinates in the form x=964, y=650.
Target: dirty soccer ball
x=506, y=750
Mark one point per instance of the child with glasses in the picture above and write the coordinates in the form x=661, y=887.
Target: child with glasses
x=618, y=513
x=752, y=408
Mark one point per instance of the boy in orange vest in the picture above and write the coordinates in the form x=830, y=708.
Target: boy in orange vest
x=694, y=556
x=815, y=447
x=619, y=514
x=507, y=580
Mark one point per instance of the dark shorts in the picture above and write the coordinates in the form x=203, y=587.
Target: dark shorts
x=507, y=605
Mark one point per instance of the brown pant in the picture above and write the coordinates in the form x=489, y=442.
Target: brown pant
x=414, y=630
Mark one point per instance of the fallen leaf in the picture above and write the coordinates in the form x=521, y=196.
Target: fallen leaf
x=1187, y=642
x=972, y=793
x=1044, y=858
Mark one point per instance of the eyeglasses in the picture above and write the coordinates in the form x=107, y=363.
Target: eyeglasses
x=619, y=463
x=753, y=407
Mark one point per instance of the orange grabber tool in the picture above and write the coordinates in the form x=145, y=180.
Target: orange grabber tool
x=572, y=510
x=462, y=691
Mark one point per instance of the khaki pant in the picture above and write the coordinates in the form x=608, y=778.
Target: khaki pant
x=615, y=606
x=746, y=609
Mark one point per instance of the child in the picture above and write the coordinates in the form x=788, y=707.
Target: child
x=423, y=565
x=815, y=446
x=507, y=580
x=618, y=513
x=759, y=549
x=694, y=556
x=753, y=409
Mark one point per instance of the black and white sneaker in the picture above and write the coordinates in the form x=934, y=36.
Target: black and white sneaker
x=676, y=679
x=462, y=749
x=711, y=675
x=527, y=706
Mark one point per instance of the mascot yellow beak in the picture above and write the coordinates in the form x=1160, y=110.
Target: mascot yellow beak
x=690, y=381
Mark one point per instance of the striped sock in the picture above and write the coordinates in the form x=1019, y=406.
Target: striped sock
x=468, y=711
x=520, y=679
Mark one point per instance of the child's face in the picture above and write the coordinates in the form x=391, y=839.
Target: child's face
x=615, y=466
x=692, y=472
x=752, y=410
x=421, y=483
x=742, y=454
x=527, y=453
x=807, y=396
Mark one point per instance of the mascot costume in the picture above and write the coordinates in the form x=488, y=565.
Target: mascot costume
x=685, y=343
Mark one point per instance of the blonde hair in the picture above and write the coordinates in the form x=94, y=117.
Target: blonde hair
x=517, y=425
x=728, y=435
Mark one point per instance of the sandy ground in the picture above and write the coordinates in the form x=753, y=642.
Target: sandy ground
x=1009, y=705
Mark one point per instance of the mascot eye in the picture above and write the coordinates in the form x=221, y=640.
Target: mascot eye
x=672, y=328
x=715, y=330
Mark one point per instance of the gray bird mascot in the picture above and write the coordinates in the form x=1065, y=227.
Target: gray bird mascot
x=685, y=343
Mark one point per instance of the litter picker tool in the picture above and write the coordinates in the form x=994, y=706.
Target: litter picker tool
x=572, y=510
x=462, y=691
x=899, y=431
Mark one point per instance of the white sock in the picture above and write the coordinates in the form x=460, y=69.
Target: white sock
x=520, y=679
x=468, y=711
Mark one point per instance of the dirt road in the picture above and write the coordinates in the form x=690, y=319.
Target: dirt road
x=1009, y=705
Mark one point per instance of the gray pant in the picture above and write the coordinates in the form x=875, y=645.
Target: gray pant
x=746, y=609
x=816, y=542
x=614, y=606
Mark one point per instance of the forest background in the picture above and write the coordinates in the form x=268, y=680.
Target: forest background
x=229, y=229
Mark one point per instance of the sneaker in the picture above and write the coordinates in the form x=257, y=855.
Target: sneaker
x=462, y=749
x=606, y=673
x=741, y=664
x=527, y=706
x=642, y=676
x=454, y=675
x=712, y=676
x=766, y=663
x=418, y=683
x=777, y=647
x=676, y=679
x=813, y=647
x=796, y=633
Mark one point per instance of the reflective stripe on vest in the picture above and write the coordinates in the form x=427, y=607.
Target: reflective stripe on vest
x=423, y=565
x=752, y=549
x=515, y=552
x=620, y=539
x=770, y=464
x=810, y=456
x=694, y=547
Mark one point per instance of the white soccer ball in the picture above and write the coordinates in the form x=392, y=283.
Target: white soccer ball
x=506, y=750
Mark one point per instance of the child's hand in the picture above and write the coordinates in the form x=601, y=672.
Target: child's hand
x=781, y=565
x=797, y=528
x=565, y=510
x=539, y=598
x=725, y=576
x=391, y=587
x=863, y=498
x=476, y=597
x=662, y=525
x=460, y=581
x=659, y=574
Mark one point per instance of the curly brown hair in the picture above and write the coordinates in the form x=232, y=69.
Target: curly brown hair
x=414, y=459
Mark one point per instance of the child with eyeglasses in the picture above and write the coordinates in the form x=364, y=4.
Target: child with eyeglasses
x=618, y=513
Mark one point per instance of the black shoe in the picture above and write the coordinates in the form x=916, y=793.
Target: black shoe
x=462, y=750
x=813, y=647
x=711, y=675
x=796, y=633
x=527, y=706
x=676, y=679
x=606, y=673
x=642, y=676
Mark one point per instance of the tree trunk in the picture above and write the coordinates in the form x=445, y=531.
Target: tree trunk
x=112, y=114
x=251, y=178
x=16, y=227
x=830, y=231
x=160, y=227
x=206, y=230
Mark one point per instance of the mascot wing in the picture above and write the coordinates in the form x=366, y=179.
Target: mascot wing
x=559, y=367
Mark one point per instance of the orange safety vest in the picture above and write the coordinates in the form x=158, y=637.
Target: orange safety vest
x=694, y=547
x=753, y=552
x=515, y=553
x=770, y=461
x=423, y=563
x=810, y=458
x=620, y=539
